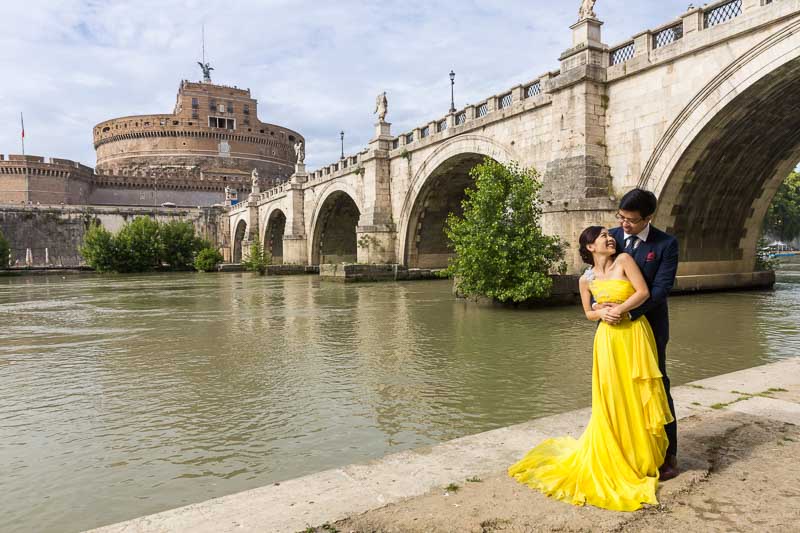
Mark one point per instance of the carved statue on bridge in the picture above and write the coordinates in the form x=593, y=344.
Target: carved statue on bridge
x=586, y=10
x=300, y=152
x=255, y=179
x=381, y=106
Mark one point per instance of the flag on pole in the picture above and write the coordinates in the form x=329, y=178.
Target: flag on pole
x=22, y=122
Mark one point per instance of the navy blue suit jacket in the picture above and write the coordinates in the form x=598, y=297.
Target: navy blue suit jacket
x=658, y=260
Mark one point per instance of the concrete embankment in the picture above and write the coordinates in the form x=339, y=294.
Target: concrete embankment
x=739, y=447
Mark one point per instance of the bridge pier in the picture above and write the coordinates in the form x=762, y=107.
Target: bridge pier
x=295, y=240
x=376, y=232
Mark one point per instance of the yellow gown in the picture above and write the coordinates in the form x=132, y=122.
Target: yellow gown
x=614, y=464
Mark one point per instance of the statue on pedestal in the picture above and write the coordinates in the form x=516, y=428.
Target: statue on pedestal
x=381, y=106
x=300, y=152
x=586, y=10
x=255, y=180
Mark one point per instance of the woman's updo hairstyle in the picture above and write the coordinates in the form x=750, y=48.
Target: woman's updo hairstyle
x=588, y=237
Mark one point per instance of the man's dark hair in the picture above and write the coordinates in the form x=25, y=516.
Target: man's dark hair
x=639, y=200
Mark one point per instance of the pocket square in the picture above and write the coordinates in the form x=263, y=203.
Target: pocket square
x=650, y=257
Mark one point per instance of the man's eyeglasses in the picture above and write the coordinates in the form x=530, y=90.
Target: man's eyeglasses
x=622, y=219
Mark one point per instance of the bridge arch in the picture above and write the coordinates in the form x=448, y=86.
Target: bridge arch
x=238, y=237
x=719, y=164
x=333, y=225
x=274, y=225
x=437, y=189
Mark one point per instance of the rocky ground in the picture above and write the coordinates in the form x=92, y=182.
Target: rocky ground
x=739, y=472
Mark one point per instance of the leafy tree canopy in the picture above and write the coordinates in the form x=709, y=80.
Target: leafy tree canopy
x=501, y=250
x=783, y=217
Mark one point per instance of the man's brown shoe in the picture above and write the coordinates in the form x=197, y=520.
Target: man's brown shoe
x=669, y=469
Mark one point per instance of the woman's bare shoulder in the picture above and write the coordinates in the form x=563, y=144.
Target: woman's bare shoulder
x=624, y=258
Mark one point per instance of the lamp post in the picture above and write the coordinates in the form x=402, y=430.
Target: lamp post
x=341, y=136
x=452, y=100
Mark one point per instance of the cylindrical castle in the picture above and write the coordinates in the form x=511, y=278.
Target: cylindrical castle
x=212, y=139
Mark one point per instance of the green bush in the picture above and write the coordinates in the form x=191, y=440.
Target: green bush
x=501, y=251
x=5, y=249
x=179, y=245
x=143, y=245
x=207, y=260
x=99, y=249
x=259, y=259
x=138, y=246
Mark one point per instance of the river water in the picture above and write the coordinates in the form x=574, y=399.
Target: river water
x=123, y=396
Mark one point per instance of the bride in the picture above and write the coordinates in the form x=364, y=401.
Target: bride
x=614, y=464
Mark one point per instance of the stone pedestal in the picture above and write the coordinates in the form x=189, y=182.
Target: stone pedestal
x=383, y=130
x=587, y=31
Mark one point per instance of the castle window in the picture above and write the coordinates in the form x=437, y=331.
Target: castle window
x=221, y=108
x=230, y=107
x=212, y=104
x=220, y=122
x=291, y=138
x=195, y=103
x=246, y=109
x=246, y=121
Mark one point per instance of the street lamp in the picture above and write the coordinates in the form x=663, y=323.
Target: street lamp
x=341, y=136
x=452, y=100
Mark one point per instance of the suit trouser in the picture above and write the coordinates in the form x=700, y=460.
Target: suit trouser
x=672, y=427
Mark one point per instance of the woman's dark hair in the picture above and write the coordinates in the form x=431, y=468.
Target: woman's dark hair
x=639, y=200
x=588, y=236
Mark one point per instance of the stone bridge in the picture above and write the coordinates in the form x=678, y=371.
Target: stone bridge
x=703, y=110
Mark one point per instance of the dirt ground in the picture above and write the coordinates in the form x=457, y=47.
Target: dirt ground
x=738, y=473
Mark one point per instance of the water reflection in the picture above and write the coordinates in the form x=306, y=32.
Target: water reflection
x=121, y=396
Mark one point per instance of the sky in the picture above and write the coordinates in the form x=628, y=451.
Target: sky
x=314, y=66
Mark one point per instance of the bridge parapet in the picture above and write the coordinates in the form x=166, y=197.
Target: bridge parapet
x=695, y=29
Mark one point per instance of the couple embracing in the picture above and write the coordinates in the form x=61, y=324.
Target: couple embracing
x=631, y=440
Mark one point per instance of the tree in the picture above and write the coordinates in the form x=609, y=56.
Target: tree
x=138, y=246
x=179, y=244
x=501, y=251
x=259, y=259
x=783, y=217
x=5, y=249
x=208, y=259
x=99, y=249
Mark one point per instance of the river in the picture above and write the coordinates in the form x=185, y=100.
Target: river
x=127, y=395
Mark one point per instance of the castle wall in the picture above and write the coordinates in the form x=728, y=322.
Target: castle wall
x=39, y=180
x=150, y=197
x=55, y=234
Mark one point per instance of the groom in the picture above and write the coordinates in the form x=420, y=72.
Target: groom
x=656, y=253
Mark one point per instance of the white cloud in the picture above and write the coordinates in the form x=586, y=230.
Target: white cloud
x=314, y=66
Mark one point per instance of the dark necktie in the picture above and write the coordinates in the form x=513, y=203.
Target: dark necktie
x=630, y=247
